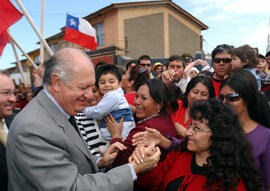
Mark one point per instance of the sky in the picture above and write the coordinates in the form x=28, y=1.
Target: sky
x=234, y=22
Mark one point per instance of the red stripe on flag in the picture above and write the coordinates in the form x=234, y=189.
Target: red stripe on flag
x=8, y=14
x=80, y=38
x=4, y=39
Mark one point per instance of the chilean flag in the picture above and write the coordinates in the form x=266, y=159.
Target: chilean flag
x=79, y=31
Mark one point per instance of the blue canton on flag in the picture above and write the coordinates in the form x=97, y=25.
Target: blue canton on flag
x=72, y=22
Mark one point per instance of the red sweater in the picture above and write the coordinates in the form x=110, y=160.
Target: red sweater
x=178, y=172
x=130, y=97
x=179, y=115
x=216, y=84
x=162, y=123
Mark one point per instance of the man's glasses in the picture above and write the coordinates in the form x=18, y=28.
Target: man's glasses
x=230, y=97
x=194, y=129
x=146, y=65
x=7, y=93
x=224, y=60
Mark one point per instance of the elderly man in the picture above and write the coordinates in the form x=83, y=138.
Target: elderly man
x=7, y=101
x=45, y=150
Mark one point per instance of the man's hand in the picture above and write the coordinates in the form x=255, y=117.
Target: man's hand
x=149, y=157
x=110, y=154
x=147, y=137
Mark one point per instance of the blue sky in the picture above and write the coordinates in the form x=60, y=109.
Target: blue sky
x=235, y=22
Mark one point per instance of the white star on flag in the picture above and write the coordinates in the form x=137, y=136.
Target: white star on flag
x=72, y=22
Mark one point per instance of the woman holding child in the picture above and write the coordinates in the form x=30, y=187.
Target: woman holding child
x=151, y=104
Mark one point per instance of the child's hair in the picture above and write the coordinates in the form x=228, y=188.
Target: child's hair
x=246, y=54
x=107, y=69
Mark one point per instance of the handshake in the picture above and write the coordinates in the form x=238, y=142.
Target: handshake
x=144, y=158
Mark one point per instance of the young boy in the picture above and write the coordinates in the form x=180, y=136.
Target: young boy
x=108, y=79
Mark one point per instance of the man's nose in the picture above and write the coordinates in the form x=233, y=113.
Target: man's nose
x=12, y=98
x=89, y=94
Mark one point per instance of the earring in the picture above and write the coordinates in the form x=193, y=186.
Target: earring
x=158, y=110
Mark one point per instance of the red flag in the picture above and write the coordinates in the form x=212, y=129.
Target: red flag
x=80, y=32
x=4, y=39
x=9, y=15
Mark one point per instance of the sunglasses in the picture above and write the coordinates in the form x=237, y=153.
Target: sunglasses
x=146, y=65
x=230, y=97
x=224, y=60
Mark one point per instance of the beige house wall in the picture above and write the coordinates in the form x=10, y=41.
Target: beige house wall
x=168, y=47
x=145, y=35
x=181, y=38
x=128, y=13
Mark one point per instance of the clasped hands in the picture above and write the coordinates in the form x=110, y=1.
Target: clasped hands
x=150, y=154
x=150, y=157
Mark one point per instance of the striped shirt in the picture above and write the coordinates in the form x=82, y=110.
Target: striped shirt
x=90, y=132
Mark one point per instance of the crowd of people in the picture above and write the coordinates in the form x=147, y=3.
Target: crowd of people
x=179, y=125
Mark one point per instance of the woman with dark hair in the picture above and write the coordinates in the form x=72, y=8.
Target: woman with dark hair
x=240, y=91
x=215, y=154
x=199, y=88
x=151, y=104
x=131, y=79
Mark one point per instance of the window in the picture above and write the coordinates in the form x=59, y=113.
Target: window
x=37, y=59
x=100, y=33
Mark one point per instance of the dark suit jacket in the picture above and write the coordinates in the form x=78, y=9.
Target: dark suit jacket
x=3, y=168
x=44, y=152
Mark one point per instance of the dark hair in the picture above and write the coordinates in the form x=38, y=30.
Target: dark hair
x=193, y=82
x=230, y=157
x=138, y=74
x=205, y=73
x=246, y=54
x=261, y=56
x=121, y=69
x=220, y=49
x=129, y=63
x=144, y=57
x=99, y=64
x=159, y=93
x=267, y=54
x=175, y=58
x=244, y=83
x=175, y=94
x=107, y=69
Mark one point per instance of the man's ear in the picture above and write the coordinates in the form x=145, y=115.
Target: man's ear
x=56, y=82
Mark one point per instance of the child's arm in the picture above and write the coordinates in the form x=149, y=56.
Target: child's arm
x=103, y=108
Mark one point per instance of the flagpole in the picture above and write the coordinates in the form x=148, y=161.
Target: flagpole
x=24, y=53
x=19, y=64
x=34, y=27
x=41, y=30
